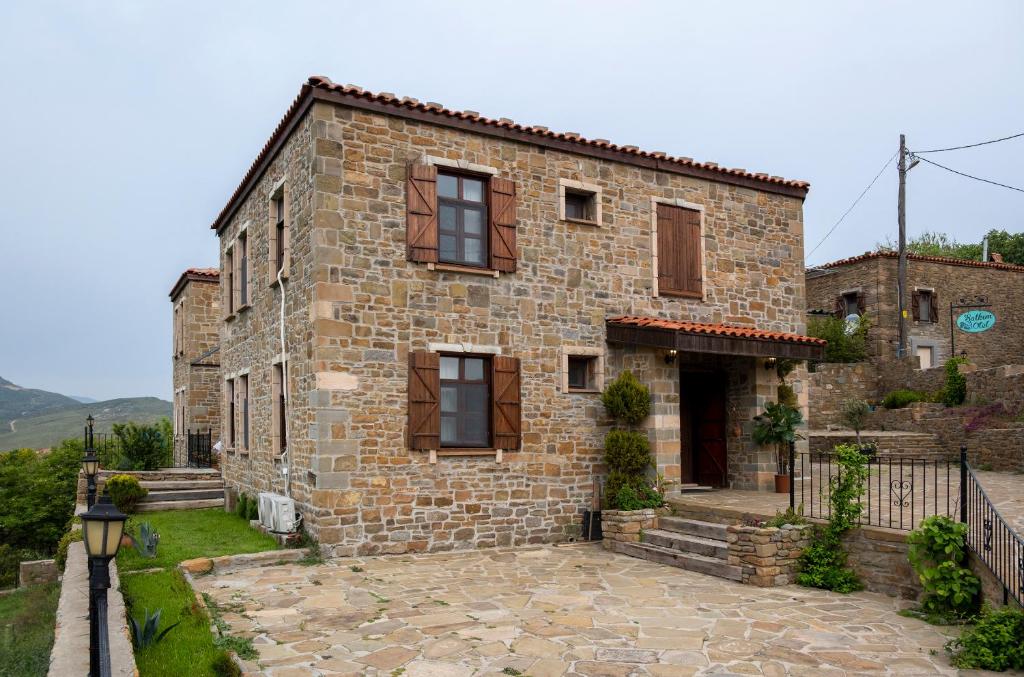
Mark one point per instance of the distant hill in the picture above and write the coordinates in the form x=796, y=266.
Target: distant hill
x=83, y=399
x=48, y=429
x=18, y=402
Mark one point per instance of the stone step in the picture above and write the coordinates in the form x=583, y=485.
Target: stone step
x=169, y=485
x=707, y=547
x=182, y=495
x=681, y=525
x=694, y=488
x=181, y=505
x=711, y=566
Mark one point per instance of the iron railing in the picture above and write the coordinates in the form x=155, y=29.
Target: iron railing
x=199, y=449
x=994, y=541
x=196, y=451
x=899, y=492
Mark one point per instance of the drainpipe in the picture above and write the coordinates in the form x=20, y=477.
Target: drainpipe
x=286, y=457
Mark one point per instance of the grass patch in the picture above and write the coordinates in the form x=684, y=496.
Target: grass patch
x=26, y=630
x=187, y=534
x=188, y=649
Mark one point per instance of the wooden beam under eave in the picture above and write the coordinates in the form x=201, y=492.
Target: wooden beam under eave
x=669, y=339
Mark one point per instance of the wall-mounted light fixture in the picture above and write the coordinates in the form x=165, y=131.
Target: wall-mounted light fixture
x=770, y=363
x=670, y=356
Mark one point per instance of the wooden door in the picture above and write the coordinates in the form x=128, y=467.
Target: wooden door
x=703, y=429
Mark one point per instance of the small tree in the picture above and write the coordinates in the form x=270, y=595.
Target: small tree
x=777, y=426
x=627, y=453
x=854, y=414
x=954, y=392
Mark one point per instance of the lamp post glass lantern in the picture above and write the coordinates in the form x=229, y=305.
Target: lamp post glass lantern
x=102, y=528
x=90, y=464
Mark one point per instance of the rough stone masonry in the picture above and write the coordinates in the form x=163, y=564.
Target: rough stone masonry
x=355, y=308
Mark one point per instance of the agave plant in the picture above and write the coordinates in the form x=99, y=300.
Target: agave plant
x=147, y=541
x=146, y=634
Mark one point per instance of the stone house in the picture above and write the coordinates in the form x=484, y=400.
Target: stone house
x=421, y=306
x=936, y=286
x=196, y=323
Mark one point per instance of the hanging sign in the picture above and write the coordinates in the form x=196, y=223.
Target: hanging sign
x=976, y=321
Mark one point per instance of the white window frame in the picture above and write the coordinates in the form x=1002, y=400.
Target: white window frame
x=591, y=189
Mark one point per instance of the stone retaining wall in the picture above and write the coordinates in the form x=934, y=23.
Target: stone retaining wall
x=625, y=525
x=37, y=572
x=767, y=556
x=918, y=445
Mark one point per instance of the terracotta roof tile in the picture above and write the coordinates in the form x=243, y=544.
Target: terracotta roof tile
x=324, y=83
x=867, y=256
x=715, y=329
x=197, y=274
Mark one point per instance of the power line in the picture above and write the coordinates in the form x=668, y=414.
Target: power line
x=862, y=194
x=948, y=169
x=971, y=145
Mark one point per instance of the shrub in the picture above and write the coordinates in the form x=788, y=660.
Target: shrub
x=898, y=399
x=996, y=642
x=224, y=666
x=823, y=563
x=954, y=392
x=10, y=558
x=938, y=548
x=854, y=414
x=637, y=497
x=62, y=547
x=791, y=516
x=241, y=506
x=842, y=346
x=143, y=446
x=777, y=425
x=627, y=451
x=126, y=492
x=626, y=399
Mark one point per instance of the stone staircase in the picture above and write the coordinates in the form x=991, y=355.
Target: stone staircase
x=685, y=543
x=171, y=488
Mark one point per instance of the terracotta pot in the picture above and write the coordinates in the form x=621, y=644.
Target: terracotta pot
x=782, y=484
x=127, y=541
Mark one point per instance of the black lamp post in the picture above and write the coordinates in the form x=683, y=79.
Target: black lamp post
x=102, y=527
x=90, y=464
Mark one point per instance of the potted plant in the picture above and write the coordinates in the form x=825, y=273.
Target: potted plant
x=777, y=425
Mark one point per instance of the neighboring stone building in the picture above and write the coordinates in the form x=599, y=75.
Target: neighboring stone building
x=866, y=285
x=456, y=290
x=196, y=367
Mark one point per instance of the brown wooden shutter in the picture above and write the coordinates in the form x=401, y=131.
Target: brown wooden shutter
x=915, y=305
x=421, y=213
x=862, y=304
x=424, y=400
x=506, y=417
x=840, y=309
x=933, y=299
x=679, y=251
x=503, y=224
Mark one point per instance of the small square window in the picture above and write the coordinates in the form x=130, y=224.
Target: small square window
x=925, y=305
x=582, y=372
x=579, y=205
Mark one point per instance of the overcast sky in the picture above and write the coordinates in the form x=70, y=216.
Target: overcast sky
x=126, y=126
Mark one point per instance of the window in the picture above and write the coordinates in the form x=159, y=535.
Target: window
x=243, y=270
x=582, y=369
x=229, y=283
x=177, y=331
x=579, y=201
x=279, y=237
x=577, y=207
x=465, y=401
x=462, y=220
x=229, y=391
x=279, y=422
x=581, y=372
x=850, y=303
x=925, y=306
x=926, y=356
x=679, y=244
x=243, y=392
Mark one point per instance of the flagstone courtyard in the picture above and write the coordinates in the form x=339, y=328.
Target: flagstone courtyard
x=550, y=611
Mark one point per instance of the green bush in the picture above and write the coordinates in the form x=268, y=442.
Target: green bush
x=954, y=392
x=10, y=558
x=125, y=491
x=627, y=451
x=143, y=446
x=823, y=564
x=66, y=540
x=786, y=395
x=995, y=642
x=790, y=516
x=626, y=399
x=842, y=347
x=637, y=497
x=938, y=550
x=247, y=508
x=777, y=426
x=898, y=399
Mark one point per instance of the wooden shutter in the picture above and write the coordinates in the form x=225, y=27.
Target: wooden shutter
x=424, y=400
x=915, y=305
x=840, y=309
x=679, y=251
x=506, y=417
x=862, y=304
x=933, y=299
x=421, y=213
x=502, y=205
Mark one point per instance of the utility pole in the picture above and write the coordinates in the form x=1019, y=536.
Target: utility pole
x=901, y=270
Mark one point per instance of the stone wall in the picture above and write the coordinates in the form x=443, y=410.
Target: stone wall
x=831, y=384
x=357, y=308
x=888, y=443
x=991, y=588
x=768, y=556
x=36, y=572
x=876, y=278
x=626, y=526
x=879, y=557
x=196, y=373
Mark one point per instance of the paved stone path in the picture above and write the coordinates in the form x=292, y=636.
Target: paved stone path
x=549, y=611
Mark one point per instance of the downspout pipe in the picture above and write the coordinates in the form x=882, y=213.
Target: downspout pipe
x=286, y=457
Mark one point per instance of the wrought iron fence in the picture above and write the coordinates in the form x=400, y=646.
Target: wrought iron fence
x=989, y=536
x=195, y=452
x=899, y=492
x=199, y=449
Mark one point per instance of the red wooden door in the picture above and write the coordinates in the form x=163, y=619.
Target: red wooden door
x=704, y=428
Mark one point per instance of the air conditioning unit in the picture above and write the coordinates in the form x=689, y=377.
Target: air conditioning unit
x=277, y=513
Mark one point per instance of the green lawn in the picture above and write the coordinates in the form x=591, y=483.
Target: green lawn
x=190, y=648
x=26, y=630
x=187, y=534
